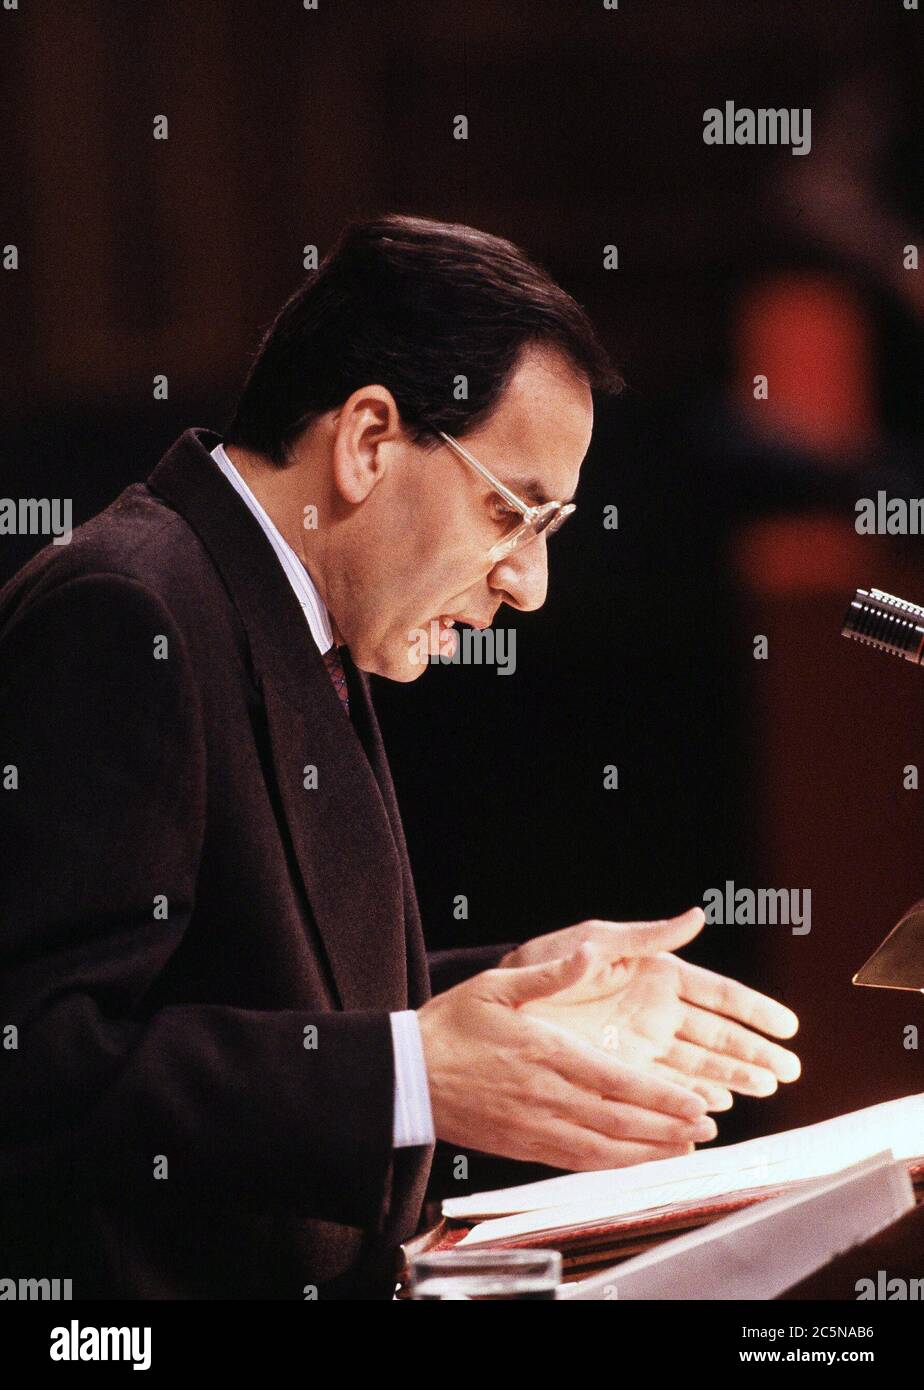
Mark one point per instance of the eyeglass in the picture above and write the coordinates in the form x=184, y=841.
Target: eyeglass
x=544, y=516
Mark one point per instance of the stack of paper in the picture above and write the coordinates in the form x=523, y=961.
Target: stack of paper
x=762, y=1252
x=708, y=1177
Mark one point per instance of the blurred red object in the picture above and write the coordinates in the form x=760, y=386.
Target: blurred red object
x=810, y=337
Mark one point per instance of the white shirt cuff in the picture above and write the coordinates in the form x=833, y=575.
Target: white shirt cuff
x=413, y=1117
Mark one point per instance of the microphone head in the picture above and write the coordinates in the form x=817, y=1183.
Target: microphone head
x=881, y=620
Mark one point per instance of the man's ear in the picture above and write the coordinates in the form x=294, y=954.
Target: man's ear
x=367, y=428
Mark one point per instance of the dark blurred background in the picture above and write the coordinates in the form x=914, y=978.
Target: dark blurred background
x=140, y=257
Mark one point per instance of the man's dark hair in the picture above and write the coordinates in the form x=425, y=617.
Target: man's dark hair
x=410, y=304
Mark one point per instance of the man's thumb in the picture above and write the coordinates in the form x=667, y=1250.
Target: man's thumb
x=647, y=938
x=520, y=985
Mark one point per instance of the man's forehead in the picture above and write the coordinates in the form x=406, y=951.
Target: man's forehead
x=540, y=468
x=539, y=433
x=542, y=465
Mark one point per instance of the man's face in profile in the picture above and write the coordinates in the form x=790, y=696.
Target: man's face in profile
x=427, y=537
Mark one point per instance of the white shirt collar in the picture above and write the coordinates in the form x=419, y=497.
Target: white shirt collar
x=312, y=604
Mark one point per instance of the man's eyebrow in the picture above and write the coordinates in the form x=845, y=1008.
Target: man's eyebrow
x=533, y=491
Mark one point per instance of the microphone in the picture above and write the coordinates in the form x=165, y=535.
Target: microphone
x=892, y=624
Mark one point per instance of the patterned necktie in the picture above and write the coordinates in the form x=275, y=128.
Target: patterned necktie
x=338, y=676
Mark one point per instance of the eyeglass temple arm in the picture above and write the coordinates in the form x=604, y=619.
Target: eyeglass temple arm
x=525, y=511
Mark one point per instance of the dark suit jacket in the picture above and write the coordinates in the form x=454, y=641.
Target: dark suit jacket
x=198, y=952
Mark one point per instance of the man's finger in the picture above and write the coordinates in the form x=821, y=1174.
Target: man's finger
x=645, y=938
x=617, y=1120
x=723, y=996
x=693, y=1060
x=719, y=1034
x=590, y=1068
x=582, y=1150
x=717, y=1097
x=516, y=986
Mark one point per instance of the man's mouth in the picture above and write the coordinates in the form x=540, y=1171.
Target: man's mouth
x=450, y=619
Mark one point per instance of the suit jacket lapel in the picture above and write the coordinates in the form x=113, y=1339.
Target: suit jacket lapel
x=367, y=726
x=342, y=833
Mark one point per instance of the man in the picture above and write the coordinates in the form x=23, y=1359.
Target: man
x=223, y=1069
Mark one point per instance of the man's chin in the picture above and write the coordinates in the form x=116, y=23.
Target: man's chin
x=404, y=671
x=403, y=666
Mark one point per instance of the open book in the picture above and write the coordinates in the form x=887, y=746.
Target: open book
x=592, y=1217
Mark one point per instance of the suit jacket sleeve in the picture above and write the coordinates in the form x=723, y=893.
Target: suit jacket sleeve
x=100, y=842
x=449, y=968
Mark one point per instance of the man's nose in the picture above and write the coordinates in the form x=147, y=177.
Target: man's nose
x=523, y=577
